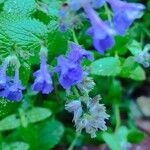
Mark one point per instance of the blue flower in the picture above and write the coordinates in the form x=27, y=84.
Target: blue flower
x=125, y=13
x=70, y=68
x=3, y=79
x=70, y=73
x=102, y=33
x=14, y=88
x=77, y=53
x=43, y=82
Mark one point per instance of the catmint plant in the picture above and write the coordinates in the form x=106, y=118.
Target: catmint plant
x=43, y=80
x=83, y=51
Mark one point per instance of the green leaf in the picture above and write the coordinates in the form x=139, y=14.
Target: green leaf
x=18, y=146
x=131, y=69
x=116, y=140
x=18, y=31
x=23, y=134
x=54, y=7
x=135, y=136
x=138, y=74
x=112, y=141
x=23, y=7
x=25, y=73
x=55, y=48
x=9, y=123
x=109, y=66
x=134, y=47
x=37, y=114
x=50, y=133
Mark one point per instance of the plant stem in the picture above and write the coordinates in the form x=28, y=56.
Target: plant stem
x=74, y=142
x=117, y=114
x=23, y=119
x=75, y=37
x=76, y=92
x=108, y=12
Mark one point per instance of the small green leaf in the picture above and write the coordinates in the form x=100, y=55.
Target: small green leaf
x=112, y=141
x=37, y=114
x=135, y=136
x=24, y=7
x=9, y=123
x=134, y=47
x=109, y=66
x=131, y=69
x=50, y=133
x=116, y=140
x=138, y=74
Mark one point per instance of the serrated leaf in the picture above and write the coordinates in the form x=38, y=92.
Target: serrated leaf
x=21, y=31
x=23, y=7
x=53, y=7
x=51, y=133
x=37, y=114
x=9, y=123
x=109, y=66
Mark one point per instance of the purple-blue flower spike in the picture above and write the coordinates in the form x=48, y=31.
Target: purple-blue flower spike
x=70, y=73
x=15, y=88
x=103, y=35
x=125, y=13
x=43, y=80
x=3, y=78
x=77, y=53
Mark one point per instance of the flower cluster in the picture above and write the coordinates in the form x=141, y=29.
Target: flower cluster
x=144, y=57
x=10, y=88
x=70, y=69
x=103, y=32
x=92, y=119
